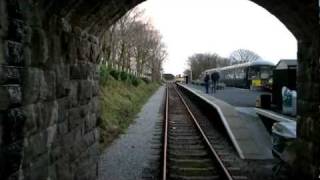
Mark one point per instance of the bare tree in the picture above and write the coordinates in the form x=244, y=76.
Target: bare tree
x=200, y=62
x=187, y=72
x=243, y=55
x=134, y=46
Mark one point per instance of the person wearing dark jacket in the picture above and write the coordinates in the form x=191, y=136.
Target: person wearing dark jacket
x=206, y=82
x=215, y=78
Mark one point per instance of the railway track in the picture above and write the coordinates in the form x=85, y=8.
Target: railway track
x=187, y=152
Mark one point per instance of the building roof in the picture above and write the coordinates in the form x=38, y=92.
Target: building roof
x=287, y=63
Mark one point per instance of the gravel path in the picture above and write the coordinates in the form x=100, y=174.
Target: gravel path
x=127, y=156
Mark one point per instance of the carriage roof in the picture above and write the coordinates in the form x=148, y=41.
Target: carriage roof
x=247, y=64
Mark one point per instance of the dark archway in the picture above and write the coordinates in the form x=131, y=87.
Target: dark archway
x=49, y=106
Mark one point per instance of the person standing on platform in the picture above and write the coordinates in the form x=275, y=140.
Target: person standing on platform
x=206, y=82
x=215, y=79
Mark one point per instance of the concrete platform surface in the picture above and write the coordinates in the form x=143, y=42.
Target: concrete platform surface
x=247, y=133
x=127, y=157
x=235, y=96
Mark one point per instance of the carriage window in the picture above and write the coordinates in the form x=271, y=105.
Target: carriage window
x=242, y=74
x=253, y=72
x=230, y=74
x=265, y=72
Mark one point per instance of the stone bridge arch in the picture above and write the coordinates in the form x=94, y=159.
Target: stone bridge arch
x=49, y=109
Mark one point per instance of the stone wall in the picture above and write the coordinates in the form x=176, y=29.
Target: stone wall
x=49, y=96
x=308, y=150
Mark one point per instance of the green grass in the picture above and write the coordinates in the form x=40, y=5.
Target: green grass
x=120, y=102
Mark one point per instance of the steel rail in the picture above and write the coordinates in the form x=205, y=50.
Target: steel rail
x=213, y=151
x=165, y=143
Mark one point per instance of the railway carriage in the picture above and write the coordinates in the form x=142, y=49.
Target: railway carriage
x=253, y=75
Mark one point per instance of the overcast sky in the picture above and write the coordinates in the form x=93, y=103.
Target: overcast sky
x=217, y=26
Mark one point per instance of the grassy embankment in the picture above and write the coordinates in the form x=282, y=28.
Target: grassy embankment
x=122, y=97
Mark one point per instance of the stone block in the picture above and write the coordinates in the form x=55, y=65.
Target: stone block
x=15, y=176
x=62, y=72
x=62, y=128
x=95, y=88
x=95, y=105
x=62, y=90
x=32, y=113
x=84, y=92
x=89, y=138
x=1, y=131
x=55, y=52
x=13, y=122
x=66, y=27
x=38, y=168
x=49, y=114
x=94, y=53
x=75, y=118
x=27, y=56
x=316, y=91
x=82, y=170
x=45, y=91
x=64, y=170
x=57, y=142
x=73, y=143
x=10, y=96
x=35, y=146
x=12, y=154
x=93, y=39
x=52, y=172
x=93, y=151
x=50, y=85
x=88, y=162
x=3, y=19
x=75, y=71
x=40, y=116
x=77, y=31
x=90, y=122
x=15, y=9
x=73, y=95
x=52, y=134
x=9, y=74
x=2, y=55
x=38, y=85
x=80, y=71
x=63, y=109
x=17, y=30
x=84, y=111
x=92, y=172
x=56, y=153
x=13, y=53
x=75, y=151
x=95, y=73
x=83, y=50
x=68, y=44
x=96, y=134
x=32, y=83
x=39, y=47
x=315, y=128
x=27, y=38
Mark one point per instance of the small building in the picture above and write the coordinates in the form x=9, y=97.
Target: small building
x=284, y=74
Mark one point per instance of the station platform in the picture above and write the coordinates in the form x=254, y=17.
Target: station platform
x=246, y=131
x=274, y=115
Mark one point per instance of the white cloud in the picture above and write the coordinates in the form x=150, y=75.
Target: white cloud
x=217, y=26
